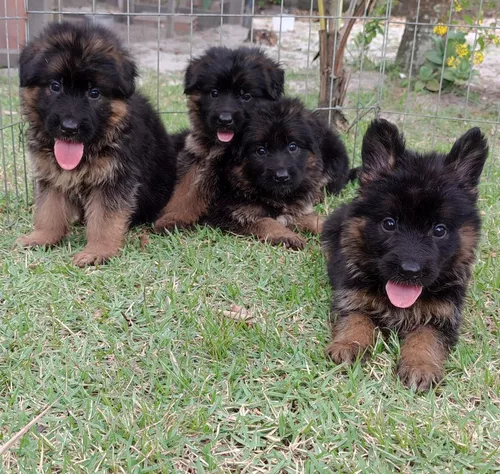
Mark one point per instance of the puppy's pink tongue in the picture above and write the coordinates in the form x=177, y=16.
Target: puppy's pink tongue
x=225, y=136
x=402, y=296
x=68, y=154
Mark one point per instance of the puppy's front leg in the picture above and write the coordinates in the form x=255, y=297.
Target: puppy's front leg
x=271, y=231
x=422, y=357
x=186, y=205
x=352, y=335
x=106, y=228
x=52, y=213
x=310, y=223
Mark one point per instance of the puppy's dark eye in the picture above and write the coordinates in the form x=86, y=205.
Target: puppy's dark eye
x=260, y=150
x=94, y=93
x=389, y=224
x=292, y=146
x=439, y=230
x=55, y=86
x=214, y=93
x=245, y=97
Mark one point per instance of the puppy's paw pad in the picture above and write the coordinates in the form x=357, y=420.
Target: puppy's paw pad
x=419, y=376
x=84, y=258
x=343, y=352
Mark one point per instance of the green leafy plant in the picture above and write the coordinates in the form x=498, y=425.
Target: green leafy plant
x=451, y=61
x=372, y=28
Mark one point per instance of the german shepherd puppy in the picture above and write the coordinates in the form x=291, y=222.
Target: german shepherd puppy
x=286, y=156
x=98, y=148
x=222, y=86
x=400, y=255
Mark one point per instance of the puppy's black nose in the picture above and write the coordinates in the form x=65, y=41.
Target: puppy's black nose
x=69, y=126
x=281, y=176
x=225, y=118
x=410, y=270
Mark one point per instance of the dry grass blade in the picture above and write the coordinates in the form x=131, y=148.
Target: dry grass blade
x=5, y=447
x=238, y=313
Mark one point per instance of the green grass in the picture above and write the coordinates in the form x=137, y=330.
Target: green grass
x=153, y=378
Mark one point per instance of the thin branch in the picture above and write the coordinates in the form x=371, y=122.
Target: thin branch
x=363, y=8
x=5, y=447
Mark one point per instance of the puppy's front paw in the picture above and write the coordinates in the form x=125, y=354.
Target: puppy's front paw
x=423, y=353
x=344, y=351
x=310, y=223
x=86, y=257
x=169, y=222
x=290, y=241
x=320, y=222
x=37, y=238
x=419, y=375
x=315, y=224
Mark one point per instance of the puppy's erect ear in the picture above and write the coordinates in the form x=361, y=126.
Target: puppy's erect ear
x=317, y=129
x=276, y=81
x=128, y=73
x=382, y=146
x=191, y=76
x=467, y=157
x=30, y=62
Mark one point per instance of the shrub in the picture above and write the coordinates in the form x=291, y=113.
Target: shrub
x=452, y=57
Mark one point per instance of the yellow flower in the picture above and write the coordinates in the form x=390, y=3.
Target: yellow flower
x=458, y=7
x=496, y=40
x=440, y=29
x=462, y=50
x=478, y=57
x=452, y=62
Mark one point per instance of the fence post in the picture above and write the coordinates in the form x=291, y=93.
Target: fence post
x=170, y=23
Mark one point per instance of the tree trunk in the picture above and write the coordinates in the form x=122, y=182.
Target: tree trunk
x=416, y=40
x=413, y=46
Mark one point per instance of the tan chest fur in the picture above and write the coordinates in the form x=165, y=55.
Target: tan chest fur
x=102, y=169
x=401, y=320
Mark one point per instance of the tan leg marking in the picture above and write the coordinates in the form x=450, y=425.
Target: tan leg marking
x=422, y=359
x=271, y=231
x=352, y=335
x=52, y=214
x=105, y=232
x=311, y=223
x=186, y=205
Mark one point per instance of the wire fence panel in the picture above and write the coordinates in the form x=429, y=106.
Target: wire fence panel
x=164, y=34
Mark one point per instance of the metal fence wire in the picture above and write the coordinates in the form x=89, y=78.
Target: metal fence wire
x=165, y=34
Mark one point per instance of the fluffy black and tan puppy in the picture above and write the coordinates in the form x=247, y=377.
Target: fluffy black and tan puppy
x=223, y=86
x=400, y=255
x=98, y=148
x=286, y=156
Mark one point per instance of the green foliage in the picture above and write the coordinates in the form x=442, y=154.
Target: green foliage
x=364, y=38
x=451, y=61
x=373, y=27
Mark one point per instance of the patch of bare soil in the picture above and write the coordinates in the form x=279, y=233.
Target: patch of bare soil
x=295, y=50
